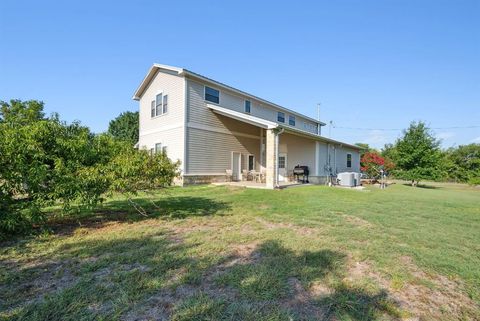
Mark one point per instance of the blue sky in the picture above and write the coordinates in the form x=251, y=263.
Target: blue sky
x=372, y=64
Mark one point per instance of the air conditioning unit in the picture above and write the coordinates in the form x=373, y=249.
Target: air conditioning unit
x=357, y=177
x=346, y=179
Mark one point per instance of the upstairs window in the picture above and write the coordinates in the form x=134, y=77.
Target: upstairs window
x=281, y=117
x=165, y=104
x=212, y=95
x=152, y=109
x=291, y=120
x=247, y=106
x=349, y=160
x=158, y=105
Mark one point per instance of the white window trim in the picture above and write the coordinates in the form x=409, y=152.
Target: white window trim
x=351, y=160
x=205, y=94
x=284, y=117
x=155, y=99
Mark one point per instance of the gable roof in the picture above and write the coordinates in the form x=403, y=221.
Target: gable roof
x=187, y=73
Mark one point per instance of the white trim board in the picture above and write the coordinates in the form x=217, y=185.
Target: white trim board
x=161, y=129
x=219, y=130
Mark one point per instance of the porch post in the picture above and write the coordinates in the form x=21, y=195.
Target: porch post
x=271, y=158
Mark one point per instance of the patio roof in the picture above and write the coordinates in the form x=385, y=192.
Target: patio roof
x=263, y=123
x=252, y=120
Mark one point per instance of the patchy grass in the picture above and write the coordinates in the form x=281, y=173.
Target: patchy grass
x=219, y=253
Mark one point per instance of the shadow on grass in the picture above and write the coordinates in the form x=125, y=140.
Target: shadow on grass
x=93, y=279
x=148, y=275
x=275, y=283
x=178, y=207
x=423, y=186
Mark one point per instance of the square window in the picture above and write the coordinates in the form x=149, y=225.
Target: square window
x=281, y=117
x=212, y=95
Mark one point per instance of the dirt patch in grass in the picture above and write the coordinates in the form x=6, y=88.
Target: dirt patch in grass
x=302, y=230
x=357, y=221
x=302, y=302
x=38, y=279
x=427, y=297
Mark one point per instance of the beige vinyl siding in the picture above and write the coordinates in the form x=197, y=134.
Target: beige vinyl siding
x=299, y=150
x=167, y=138
x=211, y=138
x=210, y=152
x=235, y=102
x=168, y=128
x=170, y=85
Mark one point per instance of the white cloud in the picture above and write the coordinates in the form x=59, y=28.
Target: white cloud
x=476, y=140
x=445, y=135
x=377, y=138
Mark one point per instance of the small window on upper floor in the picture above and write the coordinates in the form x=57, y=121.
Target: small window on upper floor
x=281, y=117
x=349, y=160
x=291, y=120
x=158, y=105
x=247, y=106
x=152, y=109
x=212, y=95
x=165, y=104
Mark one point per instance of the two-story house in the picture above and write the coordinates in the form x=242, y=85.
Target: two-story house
x=217, y=131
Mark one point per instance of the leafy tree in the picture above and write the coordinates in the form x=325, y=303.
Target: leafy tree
x=462, y=163
x=416, y=154
x=372, y=163
x=125, y=127
x=44, y=161
x=366, y=148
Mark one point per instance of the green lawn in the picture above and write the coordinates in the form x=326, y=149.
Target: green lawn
x=220, y=253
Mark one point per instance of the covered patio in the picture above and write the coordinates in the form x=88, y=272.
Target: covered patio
x=280, y=149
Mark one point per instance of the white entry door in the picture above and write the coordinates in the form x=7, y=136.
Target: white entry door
x=282, y=167
x=236, y=164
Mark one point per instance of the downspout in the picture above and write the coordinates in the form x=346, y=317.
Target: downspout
x=276, y=155
x=335, y=158
x=329, y=166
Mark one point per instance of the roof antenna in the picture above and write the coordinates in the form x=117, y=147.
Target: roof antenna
x=319, y=126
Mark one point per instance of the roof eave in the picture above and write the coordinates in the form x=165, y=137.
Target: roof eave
x=149, y=77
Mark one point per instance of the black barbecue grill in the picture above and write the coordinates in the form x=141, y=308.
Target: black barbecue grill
x=301, y=171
